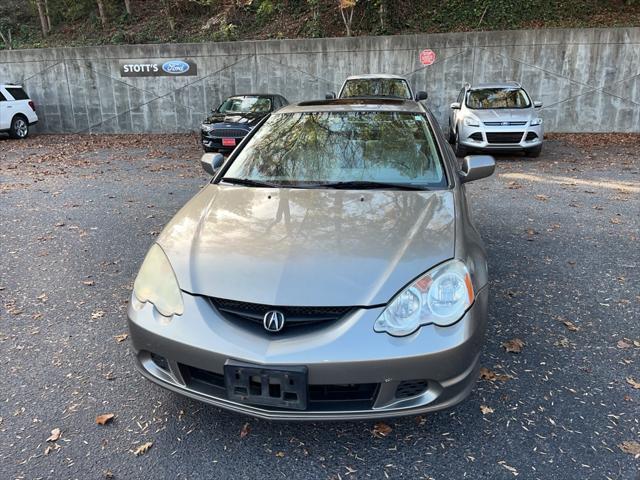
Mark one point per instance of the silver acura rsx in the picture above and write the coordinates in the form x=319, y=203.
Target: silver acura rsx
x=329, y=270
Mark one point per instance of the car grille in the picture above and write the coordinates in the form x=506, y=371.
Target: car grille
x=504, y=124
x=228, y=132
x=294, y=316
x=504, y=137
x=411, y=388
x=356, y=396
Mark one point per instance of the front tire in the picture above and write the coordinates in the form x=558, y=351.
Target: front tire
x=19, y=127
x=533, y=152
x=460, y=150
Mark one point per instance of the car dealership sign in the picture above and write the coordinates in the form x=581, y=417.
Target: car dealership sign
x=167, y=68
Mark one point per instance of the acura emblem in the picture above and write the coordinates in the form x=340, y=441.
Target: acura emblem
x=273, y=321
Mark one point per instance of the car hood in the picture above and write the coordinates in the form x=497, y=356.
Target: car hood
x=504, y=115
x=248, y=119
x=307, y=247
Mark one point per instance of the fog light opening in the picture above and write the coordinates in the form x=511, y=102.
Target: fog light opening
x=160, y=361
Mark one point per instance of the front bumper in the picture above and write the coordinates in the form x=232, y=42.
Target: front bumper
x=499, y=138
x=212, y=140
x=344, y=352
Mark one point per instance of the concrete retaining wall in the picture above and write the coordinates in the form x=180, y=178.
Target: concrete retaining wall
x=588, y=79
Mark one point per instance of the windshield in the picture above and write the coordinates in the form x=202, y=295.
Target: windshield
x=316, y=148
x=489, y=98
x=245, y=105
x=388, y=87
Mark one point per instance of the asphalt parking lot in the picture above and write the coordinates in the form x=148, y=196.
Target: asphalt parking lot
x=78, y=213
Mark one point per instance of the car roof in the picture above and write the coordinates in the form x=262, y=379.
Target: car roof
x=254, y=95
x=509, y=84
x=358, y=104
x=367, y=76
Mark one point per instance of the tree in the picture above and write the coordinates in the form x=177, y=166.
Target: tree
x=127, y=6
x=346, y=10
x=102, y=13
x=44, y=23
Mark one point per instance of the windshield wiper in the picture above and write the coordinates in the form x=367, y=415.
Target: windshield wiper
x=249, y=183
x=370, y=185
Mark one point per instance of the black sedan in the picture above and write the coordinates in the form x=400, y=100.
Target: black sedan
x=235, y=117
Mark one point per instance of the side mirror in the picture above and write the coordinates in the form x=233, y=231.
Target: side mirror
x=537, y=104
x=211, y=162
x=475, y=167
x=455, y=106
x=330, y=96
x=421, y=95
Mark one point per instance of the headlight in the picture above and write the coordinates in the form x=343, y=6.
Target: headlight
x=471, y=122
x=206, y=127
x=536, y=121
x=441, y=296
x=156, y=283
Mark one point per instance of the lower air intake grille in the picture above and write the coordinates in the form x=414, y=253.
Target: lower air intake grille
x=411, y=388
x=504, y=137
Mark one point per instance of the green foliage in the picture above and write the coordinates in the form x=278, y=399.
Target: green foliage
x=76, y=22
x=227, y=33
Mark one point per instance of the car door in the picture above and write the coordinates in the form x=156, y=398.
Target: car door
x=453, y=116
x=4, y=114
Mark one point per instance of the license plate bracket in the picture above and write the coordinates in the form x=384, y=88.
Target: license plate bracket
x=228, y=142
x=284, y=387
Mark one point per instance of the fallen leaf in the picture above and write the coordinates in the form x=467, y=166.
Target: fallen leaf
x=381, y=430
x=570, y=326
x=122, y=337
x=245, y=430
x=97, y=314
x=508, y=467
x=622, y=344
x=542, y=198
x=88, y=283
x=615, y=220
x=514, y=345
x=486, y=374
x=631, y=447
x=633, y=382
x=280, y=454
x=142, y=449
x=563, y=342
x=104, y=419
x=485, y=409
x=56, y=433
x=59, y=224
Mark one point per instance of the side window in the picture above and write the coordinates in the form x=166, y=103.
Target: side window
x=17, y=93
x=2, y=99
x=284, y=101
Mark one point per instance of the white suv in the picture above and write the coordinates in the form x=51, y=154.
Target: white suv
x=495, y=117
x=17, y=111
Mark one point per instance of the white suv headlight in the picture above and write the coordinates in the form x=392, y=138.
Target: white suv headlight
x=156, y=283
x=471, y=122
x=535, y=122
x=441, y=296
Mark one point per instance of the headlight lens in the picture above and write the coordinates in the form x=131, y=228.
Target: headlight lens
x=156, y=283
x=441, y=296
x=471, y=122
x=207, y=127
x=536, y=121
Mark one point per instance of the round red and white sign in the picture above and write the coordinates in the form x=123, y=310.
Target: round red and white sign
x=427, y=56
